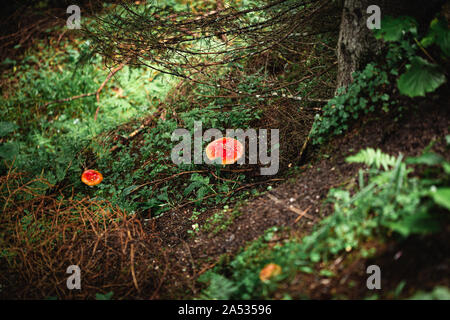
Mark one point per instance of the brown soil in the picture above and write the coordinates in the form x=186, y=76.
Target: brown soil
x=410, y=135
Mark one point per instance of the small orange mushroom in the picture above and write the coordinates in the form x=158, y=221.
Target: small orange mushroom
x=269, y=271
x=91, y=177
x=229, y=150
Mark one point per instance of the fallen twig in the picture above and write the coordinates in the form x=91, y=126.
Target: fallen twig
x=226, y=194
x=167, y=178
x=301, y=213
x=132, y=267
x=138, y=130
x=112, y=73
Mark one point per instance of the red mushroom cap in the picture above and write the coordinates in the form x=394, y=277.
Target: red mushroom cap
x=269, y=271
x=228, y=149
x=91, y=177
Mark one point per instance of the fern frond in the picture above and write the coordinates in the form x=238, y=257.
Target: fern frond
x=220, y=288
x=373, y=158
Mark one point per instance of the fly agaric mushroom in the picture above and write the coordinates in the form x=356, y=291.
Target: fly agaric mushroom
x=91, y=177
x=269, y=271
x=229, y=150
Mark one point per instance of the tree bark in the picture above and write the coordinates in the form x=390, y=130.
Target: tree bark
x=356, y=45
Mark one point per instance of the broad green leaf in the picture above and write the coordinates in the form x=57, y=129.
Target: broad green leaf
x=392, y=29
x=191, y=187
x=439, y=33
x=442, y=197
x=420, y=78
x=306, y=269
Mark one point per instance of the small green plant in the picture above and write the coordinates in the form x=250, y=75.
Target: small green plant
x=388, y=200
x=373, y=158
x=438, y=293
x=52, y=140
x=369, y=90
x=421, y=76
x=245, y=269
x=195, y=215
x=7, y=150
x=219, y=288
x=361, y=97
x=200, y=185
x=106, y=296
x=220, y=220
x=58, y=141
x=141, y=176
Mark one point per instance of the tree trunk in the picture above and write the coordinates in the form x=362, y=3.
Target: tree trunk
x=356, y=44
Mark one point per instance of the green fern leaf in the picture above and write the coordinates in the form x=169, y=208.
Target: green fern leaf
x=373, y=158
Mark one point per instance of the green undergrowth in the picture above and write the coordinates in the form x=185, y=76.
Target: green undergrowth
x=390, y=201
x=58, y=141
x=142, y=177
x=48, y=140
x=380, y=85
x=438, y=293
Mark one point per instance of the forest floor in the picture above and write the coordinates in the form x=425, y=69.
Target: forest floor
x=141, y=256
x=307, y=190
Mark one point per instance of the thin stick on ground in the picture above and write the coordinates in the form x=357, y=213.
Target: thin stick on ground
x=292, y=208
x=112, y=73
